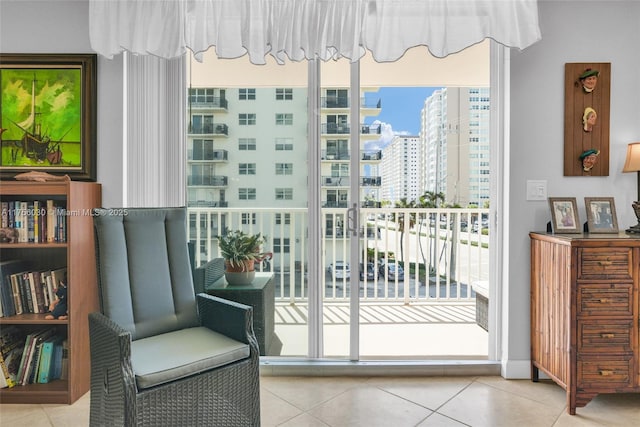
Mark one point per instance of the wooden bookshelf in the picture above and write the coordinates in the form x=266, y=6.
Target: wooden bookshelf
x=77, y=254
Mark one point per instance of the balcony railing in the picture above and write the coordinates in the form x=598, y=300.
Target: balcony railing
x=343, y=102
x=210, y=103
x=208, y=180
x=335, y=155
x=212, y=156
x=335, y=181
x=211, y=129
x=208, y=204
x=438, y=250
x=371, y=155
x=370, y=181
x=345, y=129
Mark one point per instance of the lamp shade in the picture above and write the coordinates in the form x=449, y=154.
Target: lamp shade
x=632, y=163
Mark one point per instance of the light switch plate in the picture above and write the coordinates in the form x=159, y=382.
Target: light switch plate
x=536, y=190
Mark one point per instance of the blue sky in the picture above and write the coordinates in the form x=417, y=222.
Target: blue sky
x=401, y=107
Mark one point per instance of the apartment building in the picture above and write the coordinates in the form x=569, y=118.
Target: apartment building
x=455, y=136
x=401, y=168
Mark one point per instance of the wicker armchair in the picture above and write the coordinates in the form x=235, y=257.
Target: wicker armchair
x=161, y=355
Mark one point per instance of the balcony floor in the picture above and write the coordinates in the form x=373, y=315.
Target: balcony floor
x=434, y=330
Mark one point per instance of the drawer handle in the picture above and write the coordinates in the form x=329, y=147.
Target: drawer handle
x=607, y=335
x=606, y=373
x=604, y=263
x=605, y=300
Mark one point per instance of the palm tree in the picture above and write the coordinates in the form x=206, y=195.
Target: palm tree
x=404, y=204
x=430, y=199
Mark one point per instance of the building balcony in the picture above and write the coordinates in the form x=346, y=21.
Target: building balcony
x=345, y=129
x=334, y=204
x=208, y=204
x=216, y=104
x=335, y=155
x=371, y=204
x=344, y=103
x=211, y=156
x=335, y=181
x=218, y=129
x=208, y=181
x=370, y=181
x=370, y=155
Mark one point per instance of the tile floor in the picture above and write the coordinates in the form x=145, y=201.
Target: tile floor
x=391, y=402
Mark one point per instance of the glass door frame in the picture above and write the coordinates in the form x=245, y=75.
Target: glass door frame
x=499, y=146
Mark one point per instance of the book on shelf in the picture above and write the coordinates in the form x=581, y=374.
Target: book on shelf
x=49, y=288
x=31, y=353
x=26, y=288
x=37, y=292
x=17, y=294
x=4, y=206
x=63, y=374
x=56, y=359
x=46, y=368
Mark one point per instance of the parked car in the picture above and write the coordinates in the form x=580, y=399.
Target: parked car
x=340, y=270
x=392, y=270
x=371, y=271
x=475, y=227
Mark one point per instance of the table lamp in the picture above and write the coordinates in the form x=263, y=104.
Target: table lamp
x=632, y=164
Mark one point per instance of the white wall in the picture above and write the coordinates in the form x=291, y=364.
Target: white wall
x=63, y=27
x=572, y=31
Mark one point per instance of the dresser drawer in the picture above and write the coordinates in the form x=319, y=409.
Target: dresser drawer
x=605, y=263
x=605, y=373
x=599, y=337
x=596, y=299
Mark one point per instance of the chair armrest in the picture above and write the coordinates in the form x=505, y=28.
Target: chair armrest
x=229, y=318
x=207, y=274
x=112, y=378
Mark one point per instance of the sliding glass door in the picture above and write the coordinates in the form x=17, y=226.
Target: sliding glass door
x=370, y=181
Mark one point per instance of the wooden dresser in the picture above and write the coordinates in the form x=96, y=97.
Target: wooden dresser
x=584, y=313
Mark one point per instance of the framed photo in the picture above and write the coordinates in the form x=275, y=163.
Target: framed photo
x=601, y=214
x=48, y=114
x=564, y=215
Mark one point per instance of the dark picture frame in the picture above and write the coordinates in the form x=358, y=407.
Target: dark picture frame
x=564, y=215
x=48, y=114
x=601, y=215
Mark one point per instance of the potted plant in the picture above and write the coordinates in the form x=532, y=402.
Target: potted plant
x=240, y=252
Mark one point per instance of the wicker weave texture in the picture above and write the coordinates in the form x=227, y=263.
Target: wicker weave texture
x=227, y=396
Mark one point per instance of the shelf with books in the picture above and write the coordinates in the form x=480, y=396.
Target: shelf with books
x=68, y=260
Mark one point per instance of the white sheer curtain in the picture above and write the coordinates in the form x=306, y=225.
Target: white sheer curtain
x=154, y=151
x=158, y=32
x=306, y=29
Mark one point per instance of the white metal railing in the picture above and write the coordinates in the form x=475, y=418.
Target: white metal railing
x=441, y=251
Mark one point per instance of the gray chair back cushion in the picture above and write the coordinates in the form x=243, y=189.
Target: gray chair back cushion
x=144, y=272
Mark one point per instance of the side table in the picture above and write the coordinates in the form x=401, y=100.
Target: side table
x=260, y=294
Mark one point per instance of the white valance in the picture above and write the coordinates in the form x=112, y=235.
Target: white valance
x=307, y=29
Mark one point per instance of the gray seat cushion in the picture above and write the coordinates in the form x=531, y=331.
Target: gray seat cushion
x=187, y=352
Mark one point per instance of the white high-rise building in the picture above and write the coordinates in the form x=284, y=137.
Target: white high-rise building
x=455, y=135
x=400, y=168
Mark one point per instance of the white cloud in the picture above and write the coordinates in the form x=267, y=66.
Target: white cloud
x=386, y=136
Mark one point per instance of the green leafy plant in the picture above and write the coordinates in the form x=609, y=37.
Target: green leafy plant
x=241, y=249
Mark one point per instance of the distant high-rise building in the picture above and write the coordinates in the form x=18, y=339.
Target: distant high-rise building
x=400, y=169
x=455, y=141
